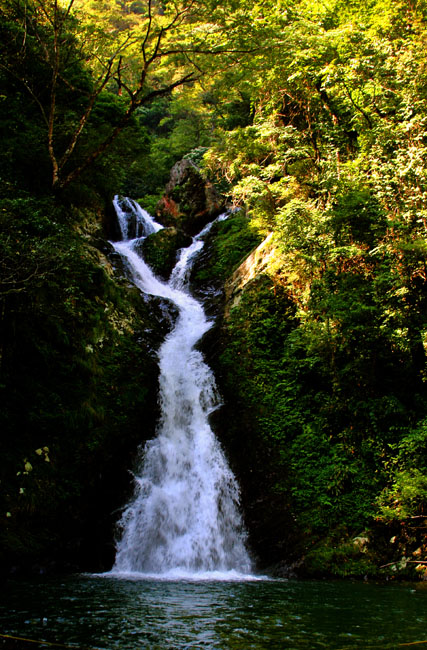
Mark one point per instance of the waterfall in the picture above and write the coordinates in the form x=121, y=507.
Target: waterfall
x=183, y=519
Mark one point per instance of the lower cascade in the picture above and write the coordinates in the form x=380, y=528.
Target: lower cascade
x=183, y=518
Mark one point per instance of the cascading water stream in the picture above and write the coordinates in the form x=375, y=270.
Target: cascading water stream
x=184, y=518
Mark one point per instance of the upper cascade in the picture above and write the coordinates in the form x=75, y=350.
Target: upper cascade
x=134, y=221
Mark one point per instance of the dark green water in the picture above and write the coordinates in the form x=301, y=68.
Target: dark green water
x=111, y=613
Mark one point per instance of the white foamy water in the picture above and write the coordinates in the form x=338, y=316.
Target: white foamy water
x=183, y=521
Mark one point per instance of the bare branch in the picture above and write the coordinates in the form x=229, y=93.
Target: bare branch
x=179, y=16
x=406, y=562
x=193, y=63
x=210, y=52
x=41, y=42
x=155, y=54
x=52, y=108
x=17, y=281
x=123, y=85
x=148, y=30
x=356, y=106
x=189, y=78
x=129, y=40
x=40, y=4
x=135, y=103
x=24, y=26
x=84, y=118
x=70, y=5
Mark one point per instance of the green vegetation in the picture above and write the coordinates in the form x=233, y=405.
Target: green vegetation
x=231, y=241
x=160, y=250
x=78, y=381
x=331, y=335
x=309, y=116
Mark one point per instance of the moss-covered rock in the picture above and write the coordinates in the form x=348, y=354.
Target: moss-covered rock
x=189, y=201
x=343, y=555
x=228, y=243
x=160, y=250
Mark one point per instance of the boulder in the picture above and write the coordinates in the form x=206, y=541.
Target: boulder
x=160, y=250
x=189, y=201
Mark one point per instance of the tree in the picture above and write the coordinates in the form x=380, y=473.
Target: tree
x=137, y=59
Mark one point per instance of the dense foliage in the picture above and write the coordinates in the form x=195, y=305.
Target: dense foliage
x=310, y=116
x=331, y=334
x=78, y=370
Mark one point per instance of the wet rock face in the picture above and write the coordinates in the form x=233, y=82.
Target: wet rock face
x=189, y=201
x=110, y=225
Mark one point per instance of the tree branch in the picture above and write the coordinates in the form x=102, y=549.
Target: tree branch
x=406, y=562
x=136, y=103
x=356, y=106
x=148, y=30
x=84, y=118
